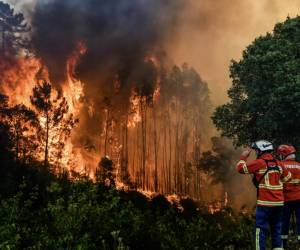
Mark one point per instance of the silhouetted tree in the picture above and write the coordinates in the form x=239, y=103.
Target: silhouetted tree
x=11, y=27
x=106, y=172
x=56, y=123
x=5, y=145
x=219, y=165
x=24, y=126
x=219, y=162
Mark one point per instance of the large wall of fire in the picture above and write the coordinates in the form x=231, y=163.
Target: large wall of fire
x=134, y=105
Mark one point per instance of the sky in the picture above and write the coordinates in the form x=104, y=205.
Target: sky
x=212, y=33
x=215, y=32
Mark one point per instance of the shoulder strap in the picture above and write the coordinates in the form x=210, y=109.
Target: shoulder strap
x=268, y=169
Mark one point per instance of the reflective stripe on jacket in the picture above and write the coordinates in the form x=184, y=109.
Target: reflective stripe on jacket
x=291, y=188
x=270, y=189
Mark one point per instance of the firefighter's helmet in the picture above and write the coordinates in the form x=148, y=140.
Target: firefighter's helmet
x=262, y=146
x=285, y=150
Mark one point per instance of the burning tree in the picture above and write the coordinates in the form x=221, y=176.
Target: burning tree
x=105, y=172
x=56, y=123
x=149, y=116
x=24, y=126
x=5, y=144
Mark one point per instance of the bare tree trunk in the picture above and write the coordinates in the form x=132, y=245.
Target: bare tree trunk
x=124, y=153
x=143, y=121
x=139, y=156
x=165, y=163
x=170, y=154
x=176, y=157
x=17, y=146
x=106, y=132
x=126, y=148
x=155, y=152
x=47, y=141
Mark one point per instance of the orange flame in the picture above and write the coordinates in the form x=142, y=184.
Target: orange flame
x=20, y=75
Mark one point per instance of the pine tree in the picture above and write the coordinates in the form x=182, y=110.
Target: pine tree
x=55, y=121
x=23, y=125
x=12, y=26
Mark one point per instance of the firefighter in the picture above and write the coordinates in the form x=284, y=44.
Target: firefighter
x=291, y=191
x=268, y=175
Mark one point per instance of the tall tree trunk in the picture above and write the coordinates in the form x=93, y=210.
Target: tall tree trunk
x=126, y=150
x=143, y=113
x=170, y=153
x=155, y=152
x=17, y=146
x=47, y=141
x=164, y=159
x=106, y=132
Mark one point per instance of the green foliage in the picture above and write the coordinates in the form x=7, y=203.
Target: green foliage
x=87, y=215
x=264, y=97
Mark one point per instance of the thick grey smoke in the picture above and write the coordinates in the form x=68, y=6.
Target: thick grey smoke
x=118, y=35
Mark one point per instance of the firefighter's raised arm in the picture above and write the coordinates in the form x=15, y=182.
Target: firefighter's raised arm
x=241, y=166
x=246, y=168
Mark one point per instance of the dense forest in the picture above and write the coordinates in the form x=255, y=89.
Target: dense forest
x=109, y=149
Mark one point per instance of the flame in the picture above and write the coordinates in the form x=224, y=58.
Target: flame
x=135, y=115
x=73, y=88
x=73, y=91
x=218, y=206
x=156, y=94
x=20, y=75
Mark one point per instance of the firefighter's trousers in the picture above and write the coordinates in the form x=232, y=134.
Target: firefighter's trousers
x=290, y=208
x=268, y=216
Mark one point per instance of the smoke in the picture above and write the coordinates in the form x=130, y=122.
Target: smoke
x=26, y=7
x=121, y=37
x=208, y=33
x=118, y=36
x=219, y=164
x=126, y=44
x=211, y=33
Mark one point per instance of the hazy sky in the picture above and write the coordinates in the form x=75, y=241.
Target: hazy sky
x=212, y=32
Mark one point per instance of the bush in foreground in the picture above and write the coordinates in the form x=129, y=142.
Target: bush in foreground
x=85, y=215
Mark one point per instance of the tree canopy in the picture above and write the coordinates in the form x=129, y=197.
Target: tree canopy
x=265, y=94
x=12, y=26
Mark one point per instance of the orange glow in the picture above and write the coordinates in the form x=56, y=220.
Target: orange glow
x=18, y=77
x=73, y=88
x=134, y=116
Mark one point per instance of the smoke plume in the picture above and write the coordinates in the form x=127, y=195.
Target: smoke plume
x=118, y=36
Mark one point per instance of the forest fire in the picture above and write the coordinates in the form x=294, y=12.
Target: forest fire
x=115, y=98
x=111, y=139
x=20, y=75
x=73, y=88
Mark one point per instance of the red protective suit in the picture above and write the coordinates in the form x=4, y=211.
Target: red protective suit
x=291, y=188
x=270, y=189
